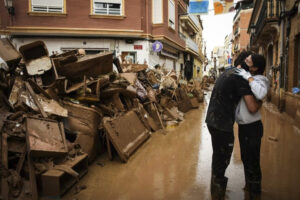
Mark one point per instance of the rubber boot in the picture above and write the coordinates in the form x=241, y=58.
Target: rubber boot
x=255, y=190
x=218, y=188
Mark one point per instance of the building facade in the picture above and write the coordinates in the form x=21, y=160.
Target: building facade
x=240, y=26
x=129, y=28
x=274, y=31
x=228, y=51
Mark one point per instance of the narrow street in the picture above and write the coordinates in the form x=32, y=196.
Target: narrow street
x=107, y=99
x=173, y=164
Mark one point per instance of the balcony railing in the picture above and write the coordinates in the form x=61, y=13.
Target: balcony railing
x=191, y=21
x=261, y=18
x=195, y=20
x=191, y=44
x=182, y=36
x=243, y=6
x=270, y=11
x=184, y=3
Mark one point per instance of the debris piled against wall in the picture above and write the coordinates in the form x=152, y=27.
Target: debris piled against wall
x=58, y=112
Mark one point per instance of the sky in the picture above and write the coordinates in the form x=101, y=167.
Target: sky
x=215, y=28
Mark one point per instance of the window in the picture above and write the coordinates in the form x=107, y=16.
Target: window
x=48, y=6
x=107, y=7
x=172, y=14
x=157, y=11
x=129, y=57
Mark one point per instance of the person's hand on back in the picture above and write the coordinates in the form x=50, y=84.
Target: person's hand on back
x=243, y=73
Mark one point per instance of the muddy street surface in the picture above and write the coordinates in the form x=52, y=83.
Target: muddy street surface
x=173, y=164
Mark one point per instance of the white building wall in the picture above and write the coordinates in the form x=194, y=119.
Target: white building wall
x=145, y=55
x=55, y=44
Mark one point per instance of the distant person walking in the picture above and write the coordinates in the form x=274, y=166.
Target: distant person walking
x=250, y=125
x=228, y=90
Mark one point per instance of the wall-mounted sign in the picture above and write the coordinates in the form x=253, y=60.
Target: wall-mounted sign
x=138, y=47
x=157, y=46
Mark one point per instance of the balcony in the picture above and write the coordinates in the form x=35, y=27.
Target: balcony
x=190, y=23
x=184, y=4
x=267, y=21
x=192, y=45
x=182, y=36
x=202, y=57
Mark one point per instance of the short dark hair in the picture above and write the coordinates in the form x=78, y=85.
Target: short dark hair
x=259, y=61
x=241, y=57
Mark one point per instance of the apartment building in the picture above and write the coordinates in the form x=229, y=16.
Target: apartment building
x=129, y=28
x=275, y=33
x=240, y=26
x=228, y=51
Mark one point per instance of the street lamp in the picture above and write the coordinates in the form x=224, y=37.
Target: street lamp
x=9, y=5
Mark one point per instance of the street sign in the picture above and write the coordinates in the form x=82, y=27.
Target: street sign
x=157, y=46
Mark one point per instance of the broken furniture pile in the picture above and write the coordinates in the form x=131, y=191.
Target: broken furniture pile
x=57, y=112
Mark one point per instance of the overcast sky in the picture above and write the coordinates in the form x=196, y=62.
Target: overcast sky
x=216, y=27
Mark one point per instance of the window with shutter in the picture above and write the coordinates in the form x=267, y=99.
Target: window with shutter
x=171, y=14
x=48, y=6
x=157, y=11
x=107, y=7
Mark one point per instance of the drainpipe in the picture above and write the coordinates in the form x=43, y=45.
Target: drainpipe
x=282, y=76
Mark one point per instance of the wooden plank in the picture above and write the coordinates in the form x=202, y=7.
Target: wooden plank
x=160, y=120
x=32, y=178
x=36, y=101
x=108, y=146
x=21, y=160
x=4, y=162
x=126, y=133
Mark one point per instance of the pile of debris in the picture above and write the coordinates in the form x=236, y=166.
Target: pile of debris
x=57, y=112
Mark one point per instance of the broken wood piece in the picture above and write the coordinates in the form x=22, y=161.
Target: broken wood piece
x=194, y=102
x=126, y=133
x=172, y=114
x=49, y=105
x=61, y=181
x=84, y=121
x=21, y=160
x=15, y=91
x=36, y=87
x=89, y=65
x=36, y=101
x=9, y=53
x=32, y=178
x=130, y=77
x=4, y=163
x=160, y=120
x=45, y=138
x=108, y=146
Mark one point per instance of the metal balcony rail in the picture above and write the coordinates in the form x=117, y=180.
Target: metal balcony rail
x=182, y=36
